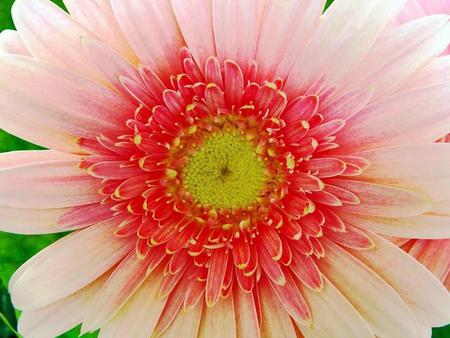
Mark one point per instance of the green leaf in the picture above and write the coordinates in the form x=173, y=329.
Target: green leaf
x=8, y=321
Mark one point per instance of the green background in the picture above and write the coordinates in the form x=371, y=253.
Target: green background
x=16, y=249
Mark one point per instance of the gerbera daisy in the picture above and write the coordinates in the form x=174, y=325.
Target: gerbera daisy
x=227, y=167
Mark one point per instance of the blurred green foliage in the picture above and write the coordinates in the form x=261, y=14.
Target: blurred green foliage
x=16, y=249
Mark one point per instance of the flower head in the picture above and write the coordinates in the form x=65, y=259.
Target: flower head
x=227, y=166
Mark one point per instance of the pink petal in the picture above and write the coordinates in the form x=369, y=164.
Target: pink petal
x=187, y=322
x=275, y=321
x=152, y=32
x=119, y=288
x=21, y=157
x=246, y=317
x=333, y=315
x=400, y=53
x=306, y=271
x=49, y=184
x=414, y=117
x=110, y=63
x=50, y=34
x=197, y=29
x=429, y=225
x=68, y=265
x=57, y=99
x=434, y=254
x=216, y=274
x=236, y=30
x=30, y=221
x=286, y=27
x=436, y=72
x=428, y=299
x=59, y=317
x=343, y=38
x=219, y=320
x=384, y=311
x=11, y=42
x=138, y=317
x=381, y=200
x=424, y=168
x=98, y=17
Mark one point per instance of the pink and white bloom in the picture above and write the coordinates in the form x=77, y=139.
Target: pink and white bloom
x=228, y=168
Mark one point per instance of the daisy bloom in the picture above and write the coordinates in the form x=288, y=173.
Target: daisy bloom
x=227, y=168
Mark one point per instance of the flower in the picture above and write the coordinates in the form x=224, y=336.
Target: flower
x=434, y=254
x=227, y=167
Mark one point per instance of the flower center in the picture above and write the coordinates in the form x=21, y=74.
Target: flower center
x=226, y=172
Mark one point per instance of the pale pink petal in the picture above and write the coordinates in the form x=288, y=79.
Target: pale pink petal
x=275, y=321
x=419, y=288
x=21, y=157
x=68, y=265
x=50, y=34
x=110, y=64
x=186, y=322
x=376, y=301
x=333, y=315
x=58, y=99
x=59, y=317
x=30, y=221
x=346, y=34
x=418, y=8
x=286, y=28
x=422, y=168
x=119, y=288
x=140, y=314
x=46, y=185
x=382, y=200
x=436, y=72
x=400, y=53
x=98, y=17
x=428, y=225
x=196, y=23
x=11, y=43
x=151, y=29
x=236, y=26
x=246, y=316
x=434, y=254
x=219, y=320
x=414, y=117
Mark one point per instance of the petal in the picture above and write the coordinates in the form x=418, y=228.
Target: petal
x=110, y=64
x=50, y=34
x=219, y=320
x=400, y=53
x=151, y=29
x=187, y=322
x=423, y=168
x=59, y=317
x=429, y=225
x=380, y=200
x=119, y=288
x=436, y=72
x=384, y=311
x=30, y=221
x=333, y=315
x=246, y=316
x=434, y=254
x=415, y=117
x=11, y=43
x=286, y=28
x=197, y=29
x=140, y=314
x=275, y=321
x=49, y=184
x=53, y=98
x=346, y=34
x=21, y=157
x=68, y=265
x=98, y=17
x=420, y=289
x=236, y=30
